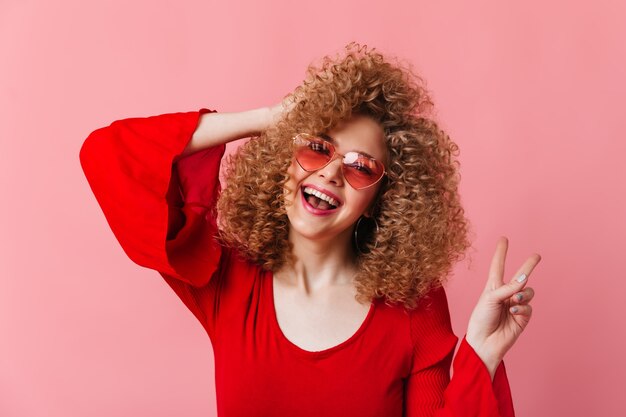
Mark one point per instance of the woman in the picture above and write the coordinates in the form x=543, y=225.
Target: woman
x=317, y=273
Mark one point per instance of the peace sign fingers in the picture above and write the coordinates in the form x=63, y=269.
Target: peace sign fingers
x=503, y=310
x=519, y=279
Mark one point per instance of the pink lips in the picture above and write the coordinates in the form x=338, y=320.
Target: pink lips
x=312, y=209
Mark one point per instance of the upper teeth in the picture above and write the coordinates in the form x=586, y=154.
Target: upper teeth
x=321, y=196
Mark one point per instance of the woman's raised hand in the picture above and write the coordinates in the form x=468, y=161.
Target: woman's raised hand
x=503, y=310
x=277, y=111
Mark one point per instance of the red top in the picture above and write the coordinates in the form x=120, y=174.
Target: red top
x=162, y=213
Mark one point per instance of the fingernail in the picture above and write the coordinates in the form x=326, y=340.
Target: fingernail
x=514, y=310
x=521, y=278
x=519, y=297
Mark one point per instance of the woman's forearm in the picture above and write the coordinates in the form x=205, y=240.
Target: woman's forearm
x=218, y=128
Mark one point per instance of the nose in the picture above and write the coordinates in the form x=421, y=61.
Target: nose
x=332, y=171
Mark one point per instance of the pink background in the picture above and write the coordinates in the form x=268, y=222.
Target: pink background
x=532, y=92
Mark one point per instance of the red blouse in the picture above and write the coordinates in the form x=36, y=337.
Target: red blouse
x=162, y=213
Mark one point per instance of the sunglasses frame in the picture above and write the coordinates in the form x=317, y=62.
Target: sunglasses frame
x=333, y=157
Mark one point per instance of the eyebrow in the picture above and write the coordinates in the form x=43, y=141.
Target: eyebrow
x=334, y=142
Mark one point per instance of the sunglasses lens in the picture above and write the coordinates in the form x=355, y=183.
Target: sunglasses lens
x=361, y=171
x=312, y=153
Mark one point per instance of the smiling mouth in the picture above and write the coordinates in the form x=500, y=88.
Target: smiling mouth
x=319, y=200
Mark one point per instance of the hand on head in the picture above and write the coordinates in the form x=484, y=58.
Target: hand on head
x=277, y=111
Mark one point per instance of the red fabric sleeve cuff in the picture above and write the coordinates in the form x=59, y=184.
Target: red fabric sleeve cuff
x=471, y=379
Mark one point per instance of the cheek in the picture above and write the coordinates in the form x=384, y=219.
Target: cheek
x=292, y=169
x=365, y=200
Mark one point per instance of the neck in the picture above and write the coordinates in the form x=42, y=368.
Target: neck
x=320, y=264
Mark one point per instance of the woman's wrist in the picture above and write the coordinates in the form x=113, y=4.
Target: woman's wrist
x=259, y=119
x=491, y=366
x=490, y=360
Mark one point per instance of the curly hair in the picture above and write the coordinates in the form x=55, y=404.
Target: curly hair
x=422, y=230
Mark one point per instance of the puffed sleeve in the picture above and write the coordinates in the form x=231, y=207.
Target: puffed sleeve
x=429, y=389
x=162, y=212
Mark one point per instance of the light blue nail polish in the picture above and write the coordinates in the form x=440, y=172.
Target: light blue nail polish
x=514, y=310
x=521, y=278
x=519, y=297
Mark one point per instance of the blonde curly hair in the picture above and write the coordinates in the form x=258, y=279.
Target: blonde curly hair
x=422, y=230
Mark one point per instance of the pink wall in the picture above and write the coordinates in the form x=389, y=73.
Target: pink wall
x=532, y=92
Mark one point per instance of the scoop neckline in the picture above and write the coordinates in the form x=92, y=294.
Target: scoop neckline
x=317, y=353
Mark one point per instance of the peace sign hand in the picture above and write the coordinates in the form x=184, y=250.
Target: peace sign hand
x=503, y=310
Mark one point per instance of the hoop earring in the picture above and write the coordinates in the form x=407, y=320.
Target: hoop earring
x=356, y=235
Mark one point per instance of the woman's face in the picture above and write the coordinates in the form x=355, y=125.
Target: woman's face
x=308, y=215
